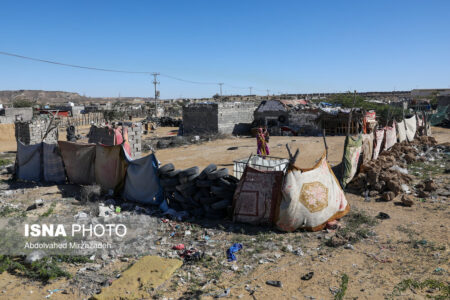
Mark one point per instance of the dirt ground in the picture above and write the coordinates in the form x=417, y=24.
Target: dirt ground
x=412, y=245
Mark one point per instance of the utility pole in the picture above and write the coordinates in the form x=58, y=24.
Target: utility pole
x=220, y=84
x=250, y=88
x=268, y=92
x=155, y=82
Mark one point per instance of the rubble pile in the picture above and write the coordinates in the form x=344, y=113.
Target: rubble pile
x=165, y=121
x=388, y=175
x=208, y=193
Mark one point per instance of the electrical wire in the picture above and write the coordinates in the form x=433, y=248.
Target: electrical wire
x=118, y=71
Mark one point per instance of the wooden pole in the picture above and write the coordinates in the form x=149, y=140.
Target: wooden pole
x=325, y=143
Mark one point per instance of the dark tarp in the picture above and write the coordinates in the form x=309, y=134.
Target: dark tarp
x=79, y=161
x=29, y=162
x=142, y=184
x=110, y=167
x=53, y=164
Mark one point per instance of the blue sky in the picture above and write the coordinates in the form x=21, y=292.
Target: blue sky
x=284, y=46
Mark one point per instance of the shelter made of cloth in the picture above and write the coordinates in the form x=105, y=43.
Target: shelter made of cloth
x=142, y=183
x=29, y=161
x=401, y=131
x=110, y=167
x=79, y=159
x=257, y=196
x=311, y=198
x=390, y=137
x=379, y=137
x=367, y=147
x=411, y=127
x=53, y=164
x=352, y=151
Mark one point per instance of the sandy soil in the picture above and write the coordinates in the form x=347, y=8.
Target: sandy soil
x=375, y=266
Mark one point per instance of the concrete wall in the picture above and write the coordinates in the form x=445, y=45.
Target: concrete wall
x=200, y=119
x=76, y=110
x=31, y=133
x=19, y=114
x=235, y=118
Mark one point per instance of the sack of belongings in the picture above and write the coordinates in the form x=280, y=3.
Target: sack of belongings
x=411, y=127
x=379, y=137
x=352, y=151
x=311, y=198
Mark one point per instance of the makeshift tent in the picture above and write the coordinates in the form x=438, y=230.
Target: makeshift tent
x=141, y=183
x=411, y=128
x=350, y=161
x=379, y=136
x=311, y=198
x=401, y=131
x=110, y=167
x=53, y=164
x=390, y=137
x=79, y=161
x=29, y=161
x=257, y=196
x=367, y=147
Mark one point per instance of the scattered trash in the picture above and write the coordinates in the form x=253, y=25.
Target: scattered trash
x=178, y=247
x=37, y=203
x=233, y=249
x=53, y=291
x=349, y=246
x=225, y=293
x=308, y=276
x=274, y=283
x=35, y=256
x=382, y=216
x=104, y=211
x=398, y=169
x=232, y=148
x=118, y=209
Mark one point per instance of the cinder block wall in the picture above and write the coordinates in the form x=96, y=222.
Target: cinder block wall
x=235, y=118
x=32, y=132
x=200, y=119
x=105, y=136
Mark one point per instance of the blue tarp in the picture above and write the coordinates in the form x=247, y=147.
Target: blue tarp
x=142, y=183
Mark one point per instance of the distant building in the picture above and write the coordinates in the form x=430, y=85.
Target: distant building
x=13, y=114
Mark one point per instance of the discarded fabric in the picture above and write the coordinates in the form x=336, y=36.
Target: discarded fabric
x=233, y=249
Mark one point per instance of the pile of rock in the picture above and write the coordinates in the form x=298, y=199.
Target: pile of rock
x=388, y=175
x=208, y=193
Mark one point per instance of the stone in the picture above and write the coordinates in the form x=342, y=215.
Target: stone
x=407, y=200
x=388, y=196
x=430, y=186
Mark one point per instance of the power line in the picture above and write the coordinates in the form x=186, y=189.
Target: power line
x=121, y=71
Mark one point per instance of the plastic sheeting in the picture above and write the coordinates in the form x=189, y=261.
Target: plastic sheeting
x=367, y=147
x=352, y=151
x=142, y=184
x=257, y=196
x=311, y=198
x=390, y=137
x=53, y=164
x=110, y=167
x=79, y=161
x=411, y=127
x=401, y=131
x=379, y=137
x=29, y=161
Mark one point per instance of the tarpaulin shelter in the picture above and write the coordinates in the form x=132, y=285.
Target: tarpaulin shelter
x=352, y=151
x=29, y=161
x=53, y=164
x=379, y=137
x=110, y=167
x=390, y=136
x=401, y=131
x=79, y=161
x=367, y=147
x=257, y=196
x=311, y=198
x=142, y=183
x=411, y=127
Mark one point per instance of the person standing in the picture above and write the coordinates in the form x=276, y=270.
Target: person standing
x=263, y=148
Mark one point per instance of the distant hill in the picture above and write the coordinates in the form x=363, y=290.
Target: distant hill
x=57, y=97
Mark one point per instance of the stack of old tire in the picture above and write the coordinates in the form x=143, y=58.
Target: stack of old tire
x=207, y=193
